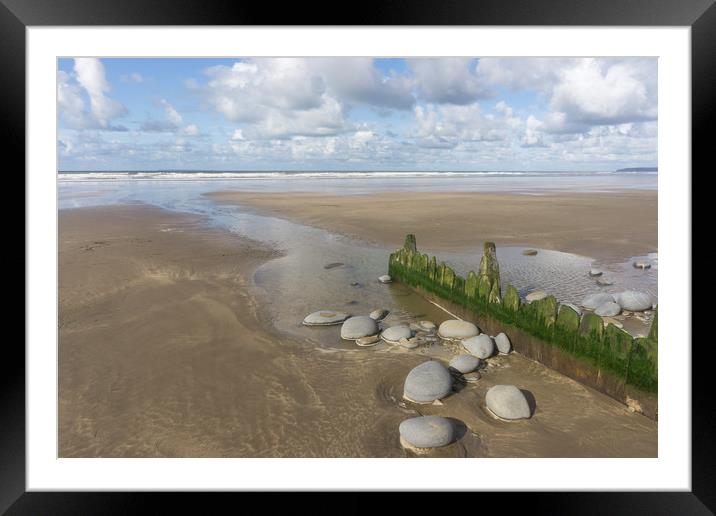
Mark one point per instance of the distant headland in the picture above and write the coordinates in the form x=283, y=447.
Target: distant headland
x=638, y=169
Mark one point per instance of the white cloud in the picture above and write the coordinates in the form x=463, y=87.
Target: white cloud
x=533, y=137
x=171, y=123
x=275, y=98
x=172, y=114
x=87, y=81
x=291, y=97
x=599, y=93
x=447, y=80
x=70, y=103
x=357, y=80
x=90, y=75
x=446, y=126
x=247, y=90
x=191, y=130
x=508, y=113
x=328, y=119
x=521, y=73
x=581, y=92
x=312, y=148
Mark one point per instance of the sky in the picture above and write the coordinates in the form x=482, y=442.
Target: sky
x=457, y=114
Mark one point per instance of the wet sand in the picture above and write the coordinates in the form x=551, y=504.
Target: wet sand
x=164, y=352
x=609, y=226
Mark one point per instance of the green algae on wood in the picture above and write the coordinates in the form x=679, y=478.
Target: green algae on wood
x=567, y=319
x=566, y=328
x=589, y=342
x=547, y=311
x=616, y=349
x=643, y=364
x=471, y=285
x=512, y=299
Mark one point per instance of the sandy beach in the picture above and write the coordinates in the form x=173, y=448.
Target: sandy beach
x=165, y=349
x=609, y=226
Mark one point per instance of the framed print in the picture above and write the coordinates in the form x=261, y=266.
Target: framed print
x=354, y=257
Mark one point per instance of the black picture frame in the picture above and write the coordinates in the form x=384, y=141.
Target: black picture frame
x=17, y=15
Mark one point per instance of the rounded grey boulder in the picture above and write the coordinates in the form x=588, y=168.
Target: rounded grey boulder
x=426, y=432
x=395, y=333
x=536, y=296
x=634, y=301
x=604, y=282
x=503, y=343
x=385, y=278
x=379, y=314
x=455, y=329
x=480, y=346
x=507, y=402
x=325, y=318
x=593, y=301
x=595, y=272
x=427, y=382
x=357, y=327
x=464, y=363
x=608, y=309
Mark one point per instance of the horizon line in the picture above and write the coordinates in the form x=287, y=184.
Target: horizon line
x=646, y=168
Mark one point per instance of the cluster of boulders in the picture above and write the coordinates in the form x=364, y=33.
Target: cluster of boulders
x=477, y=344
x=504, y=402
x=609, y=305
x=601, y=303
x=366, y=331
x=431, y=381
x=363, y=328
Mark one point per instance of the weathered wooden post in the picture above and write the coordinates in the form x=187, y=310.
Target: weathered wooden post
x=490, y=273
